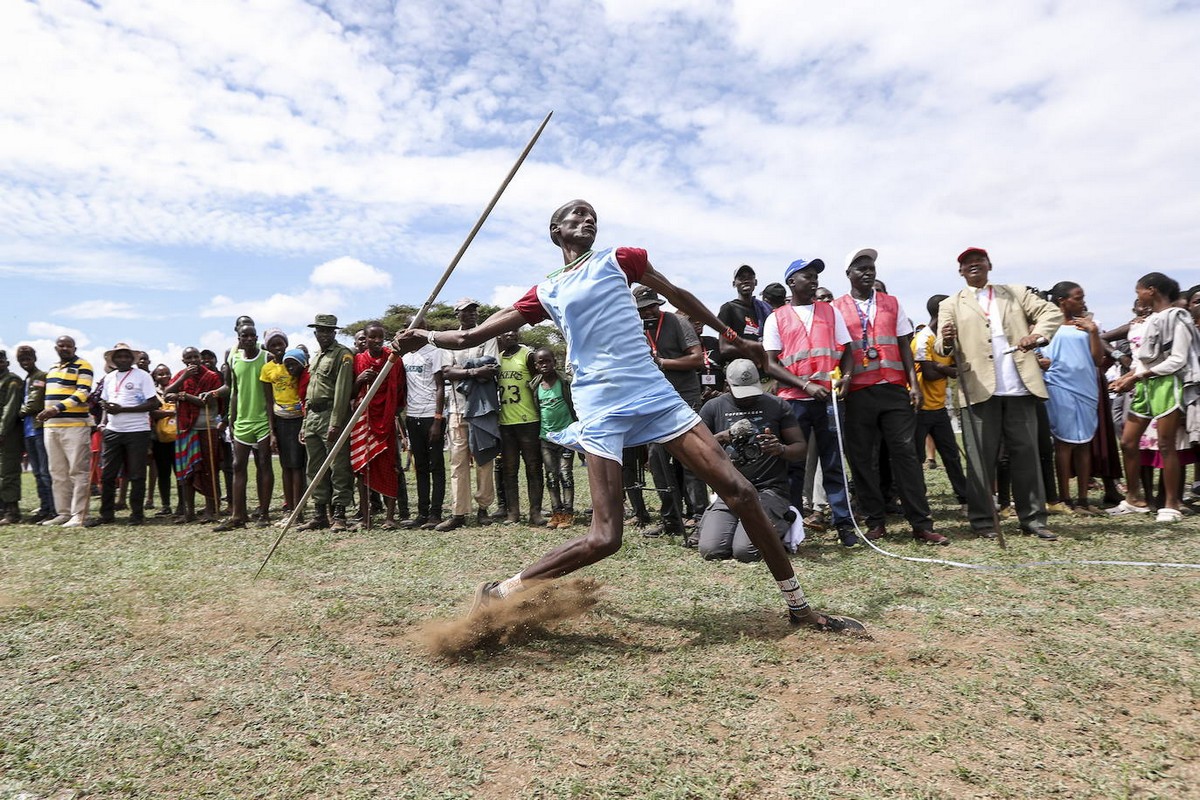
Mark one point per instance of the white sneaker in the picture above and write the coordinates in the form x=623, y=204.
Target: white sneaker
x=61, y=519
x=75, y=522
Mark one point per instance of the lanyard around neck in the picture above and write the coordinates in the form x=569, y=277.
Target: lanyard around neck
x=654, y=342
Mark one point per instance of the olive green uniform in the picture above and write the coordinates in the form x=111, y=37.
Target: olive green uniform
x=327, y=405
x=12, y=392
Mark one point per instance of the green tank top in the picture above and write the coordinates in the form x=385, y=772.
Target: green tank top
x=517, y=404
x=250, y=423
x=555, y=413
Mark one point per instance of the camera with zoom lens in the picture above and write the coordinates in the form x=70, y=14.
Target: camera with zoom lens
x=743, y=447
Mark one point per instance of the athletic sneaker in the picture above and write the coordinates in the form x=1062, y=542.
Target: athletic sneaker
x=485, y=594
x=832, y=624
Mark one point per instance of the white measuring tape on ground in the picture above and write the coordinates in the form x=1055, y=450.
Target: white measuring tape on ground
x=837, y=423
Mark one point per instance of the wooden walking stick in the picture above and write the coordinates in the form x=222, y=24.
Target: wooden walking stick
x=417, y=320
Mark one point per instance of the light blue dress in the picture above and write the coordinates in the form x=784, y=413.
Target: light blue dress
x=1071, y=384
x=620, y=395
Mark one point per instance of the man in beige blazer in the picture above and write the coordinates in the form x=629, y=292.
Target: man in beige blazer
x=998, y=390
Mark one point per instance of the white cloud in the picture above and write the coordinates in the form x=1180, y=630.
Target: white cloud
x=277, y=310
x=100, y=309
x=506, y=295
x=349, y=273
x=51, y=331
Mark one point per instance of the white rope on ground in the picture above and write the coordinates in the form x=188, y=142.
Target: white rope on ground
x=837, y=423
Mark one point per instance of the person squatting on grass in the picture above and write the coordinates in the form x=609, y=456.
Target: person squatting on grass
x=622, y=399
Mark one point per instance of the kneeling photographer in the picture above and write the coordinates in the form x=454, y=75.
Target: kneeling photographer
x=760, y=434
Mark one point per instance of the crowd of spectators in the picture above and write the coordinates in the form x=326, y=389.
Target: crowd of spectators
x=1042, y=393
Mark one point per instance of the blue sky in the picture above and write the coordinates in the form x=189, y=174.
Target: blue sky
x=165, y=166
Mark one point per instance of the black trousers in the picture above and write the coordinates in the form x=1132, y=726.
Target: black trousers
x=520, y=443
x=937, y=424
x=124, y=452
x=164, y=463
x=429, y=463
x=884, y=413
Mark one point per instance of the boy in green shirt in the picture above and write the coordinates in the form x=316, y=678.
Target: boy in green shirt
x=557, y=412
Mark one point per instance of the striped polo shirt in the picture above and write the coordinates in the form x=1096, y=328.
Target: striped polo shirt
x=67, y=388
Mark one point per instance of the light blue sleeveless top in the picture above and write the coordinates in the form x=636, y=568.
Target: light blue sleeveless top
x=620, y=395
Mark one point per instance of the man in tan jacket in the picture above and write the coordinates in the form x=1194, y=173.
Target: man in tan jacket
x=991, y=331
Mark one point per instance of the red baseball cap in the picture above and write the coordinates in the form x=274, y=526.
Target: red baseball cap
x=970, y=251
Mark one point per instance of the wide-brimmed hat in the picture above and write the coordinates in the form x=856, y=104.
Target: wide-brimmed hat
x=324, y=321
x=108, y=354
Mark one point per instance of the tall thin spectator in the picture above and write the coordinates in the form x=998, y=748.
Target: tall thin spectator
x=519, y=428
x=35, y=441
x=992, y=330
x=164, y=432
x=425, y=422
x=12, y=440
x=68, y=429
x=280, y=381
x=455, y=370
x=251, y=428
x=374, y=447
x=195, y=390
x=1071, y=361
x=555, y=413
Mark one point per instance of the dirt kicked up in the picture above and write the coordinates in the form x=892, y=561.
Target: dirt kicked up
x=511, y=620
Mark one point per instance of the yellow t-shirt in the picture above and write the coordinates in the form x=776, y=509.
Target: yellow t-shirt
x=287, y=393
x=923, y=350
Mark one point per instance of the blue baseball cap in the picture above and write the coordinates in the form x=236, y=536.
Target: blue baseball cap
x=800, y=264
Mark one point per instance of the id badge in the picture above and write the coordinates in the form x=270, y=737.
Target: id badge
x=708, y=380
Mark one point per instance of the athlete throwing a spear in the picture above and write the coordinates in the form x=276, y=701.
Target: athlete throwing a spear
x=623, y=400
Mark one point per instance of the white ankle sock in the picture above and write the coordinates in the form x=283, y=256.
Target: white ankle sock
x=510, y=586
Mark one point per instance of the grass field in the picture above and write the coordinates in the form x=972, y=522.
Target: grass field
x=146, y=662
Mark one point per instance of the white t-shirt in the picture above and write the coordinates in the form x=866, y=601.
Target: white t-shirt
x=773, y=341
x=130, y=388
x=420, y=368
x=1008, y=379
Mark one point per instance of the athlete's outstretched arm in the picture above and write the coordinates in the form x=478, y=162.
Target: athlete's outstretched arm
x=689, y=304
x=509, y=319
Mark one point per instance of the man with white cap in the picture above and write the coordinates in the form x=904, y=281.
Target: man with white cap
x=760, y=434
x=882, y=400
x=455, y=369
x=127, y=396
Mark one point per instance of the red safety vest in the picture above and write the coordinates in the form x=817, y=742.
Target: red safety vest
x=887, y=366
x=808, y=353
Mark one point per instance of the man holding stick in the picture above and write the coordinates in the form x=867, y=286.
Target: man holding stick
x=622, y=399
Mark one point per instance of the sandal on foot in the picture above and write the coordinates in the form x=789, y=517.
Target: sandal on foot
x=387, y=525
x=1168, y=515
x=229, y=525
x=828, y=623
x=1126, y=508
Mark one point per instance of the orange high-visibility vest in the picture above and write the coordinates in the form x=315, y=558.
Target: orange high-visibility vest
x=887, y=366
x=808, y=353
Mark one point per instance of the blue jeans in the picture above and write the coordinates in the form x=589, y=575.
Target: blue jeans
x=816, y=416
x=39, y=464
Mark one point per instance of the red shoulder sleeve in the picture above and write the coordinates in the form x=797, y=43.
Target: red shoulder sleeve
x=531, y=308
x=633, y=262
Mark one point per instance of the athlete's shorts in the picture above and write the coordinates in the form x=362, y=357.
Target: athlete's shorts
x=1156, y=396
x=654, y=418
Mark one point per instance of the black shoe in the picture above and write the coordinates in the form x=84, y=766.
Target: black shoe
x=1044, y=534
x=848, y=537
x=95, y=522
x=482, y=518
x=415, y=522
x=40, y=516
x=454, y=523
x=137, y=521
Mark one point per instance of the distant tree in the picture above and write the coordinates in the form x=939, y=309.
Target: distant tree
x=441, y=317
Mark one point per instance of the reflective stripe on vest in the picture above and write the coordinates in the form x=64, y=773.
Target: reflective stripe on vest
x=812, y=353
x=889, y=366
